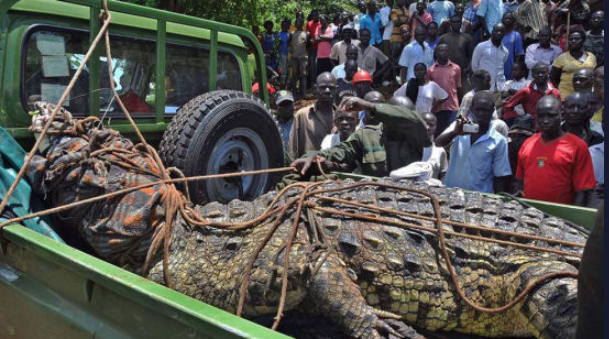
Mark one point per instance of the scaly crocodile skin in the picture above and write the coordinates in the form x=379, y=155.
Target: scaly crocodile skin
x=377, y=267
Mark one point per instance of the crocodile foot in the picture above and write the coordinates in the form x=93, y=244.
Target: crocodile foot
x=337, y=297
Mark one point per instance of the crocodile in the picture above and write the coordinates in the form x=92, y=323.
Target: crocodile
x=367, y=273
x=362, y=272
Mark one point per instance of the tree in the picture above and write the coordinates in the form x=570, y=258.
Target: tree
x=248, y=13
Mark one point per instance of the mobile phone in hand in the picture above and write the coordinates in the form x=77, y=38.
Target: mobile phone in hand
x=471, y=128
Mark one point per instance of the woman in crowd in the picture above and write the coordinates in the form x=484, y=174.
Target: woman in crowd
x=568, y=63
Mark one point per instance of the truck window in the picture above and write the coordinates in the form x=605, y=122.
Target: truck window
x=51, y=59
x=53, y=55
x=229, y=75
x=133, y=67
x=187, y=75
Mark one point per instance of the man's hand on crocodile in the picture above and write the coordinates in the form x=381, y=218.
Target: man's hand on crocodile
x=303, y=167
x=308, y=166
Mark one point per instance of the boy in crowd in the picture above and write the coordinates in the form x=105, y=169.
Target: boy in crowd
x=345, y=87
x=513, y=42
x=528, y=97
x=345, y=123
x=434, y=155
x=519, y=81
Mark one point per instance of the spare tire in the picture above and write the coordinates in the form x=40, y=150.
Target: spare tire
x=221, y=132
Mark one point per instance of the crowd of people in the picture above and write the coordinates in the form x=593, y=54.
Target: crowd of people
x=484, y=95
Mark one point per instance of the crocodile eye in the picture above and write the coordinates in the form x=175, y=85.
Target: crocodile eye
x=199, y=238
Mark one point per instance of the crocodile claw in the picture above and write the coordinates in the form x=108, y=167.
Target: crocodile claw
x=398, y=329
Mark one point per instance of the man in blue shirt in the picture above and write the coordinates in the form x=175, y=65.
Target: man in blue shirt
x=490, y=13
x=513, y=42
x=441, y=10
x=372, y=22
x=268, y=46
x=479, y=160
x=285, y=37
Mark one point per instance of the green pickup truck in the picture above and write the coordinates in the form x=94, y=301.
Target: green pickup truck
x=162, y=64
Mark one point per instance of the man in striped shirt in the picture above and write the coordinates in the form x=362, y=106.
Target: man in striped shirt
x=531, y=18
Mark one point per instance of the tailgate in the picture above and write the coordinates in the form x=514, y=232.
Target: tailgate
x=50, y=290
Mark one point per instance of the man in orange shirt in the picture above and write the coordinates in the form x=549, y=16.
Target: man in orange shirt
x=554, y=165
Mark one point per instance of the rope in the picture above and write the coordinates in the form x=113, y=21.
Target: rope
x=286, y=262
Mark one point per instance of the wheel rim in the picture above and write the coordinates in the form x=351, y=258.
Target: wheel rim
x=240, y=149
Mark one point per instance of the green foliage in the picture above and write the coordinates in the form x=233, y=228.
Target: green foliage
x=248, y=13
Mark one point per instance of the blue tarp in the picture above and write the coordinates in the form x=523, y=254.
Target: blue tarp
x=22, y=201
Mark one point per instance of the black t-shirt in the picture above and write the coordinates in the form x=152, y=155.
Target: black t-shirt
x=460, y=48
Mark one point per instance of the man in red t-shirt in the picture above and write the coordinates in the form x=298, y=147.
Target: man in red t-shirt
x=312, y=27
x=553, y=165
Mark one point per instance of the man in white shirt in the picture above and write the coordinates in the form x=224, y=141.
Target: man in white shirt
x=388, y=24
x=338, y=55
x=544, y=51
x=416, y=52
x=434, y=155
x=491, y=56
x=357, y=18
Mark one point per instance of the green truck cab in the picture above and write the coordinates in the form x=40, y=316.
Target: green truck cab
x=161, y=60
x=184, y=80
